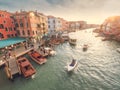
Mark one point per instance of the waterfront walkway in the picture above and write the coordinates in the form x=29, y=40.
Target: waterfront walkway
x=12, y=67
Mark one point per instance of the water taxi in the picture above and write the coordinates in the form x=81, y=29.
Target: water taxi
x=37, y=57
x=26, y=67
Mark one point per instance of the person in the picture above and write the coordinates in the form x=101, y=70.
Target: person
x=9, y=53
x=73, y=62
x=25, y=46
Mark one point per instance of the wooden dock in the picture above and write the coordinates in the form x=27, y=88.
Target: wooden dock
x=12, y=67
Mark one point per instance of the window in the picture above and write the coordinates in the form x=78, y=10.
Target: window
x=4, y=21
x=1, y=26
x=23, y=32
x=8, y=36
x=38, y=25
x=21, y=24
x=14, y=29
x=1, y=35
x=12, y=35
x=49, y=26
x=16, y=35
x=33, y=33
x=53, y=21
x=6, y=29
x=28, y=32
x=16, y=25
x=27, y=25
x=18, y=32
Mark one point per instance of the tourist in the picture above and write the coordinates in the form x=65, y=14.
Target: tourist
x=9, y=53
x=25, y=47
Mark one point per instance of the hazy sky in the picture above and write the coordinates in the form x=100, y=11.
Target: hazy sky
x=93, y=11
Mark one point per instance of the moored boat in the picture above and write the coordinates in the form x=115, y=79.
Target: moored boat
x=71, y=66
x=37, y=57
x=50, y=51
x=26, y=67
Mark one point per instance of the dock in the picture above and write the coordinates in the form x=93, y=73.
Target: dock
x=11, y=66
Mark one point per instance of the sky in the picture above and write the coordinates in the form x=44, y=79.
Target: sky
x=92, y=11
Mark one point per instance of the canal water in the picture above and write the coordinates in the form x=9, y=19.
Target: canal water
x=98, y=67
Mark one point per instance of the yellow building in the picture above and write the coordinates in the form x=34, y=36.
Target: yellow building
x=30, y=23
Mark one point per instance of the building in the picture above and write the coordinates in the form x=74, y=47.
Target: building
x=7, y=27
x=65, y=25
x=54, y=24
x=77, y=25
x=30, y=24
x=111, y=27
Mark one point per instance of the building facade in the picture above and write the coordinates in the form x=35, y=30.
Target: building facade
x=30, y=24
x=7, y=27
x=54, y=24
x=77, y=25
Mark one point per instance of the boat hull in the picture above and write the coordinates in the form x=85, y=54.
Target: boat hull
x=40, y=61
x=26, y=67
x=71, y=68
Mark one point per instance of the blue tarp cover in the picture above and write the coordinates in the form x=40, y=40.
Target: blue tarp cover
x=11, y=41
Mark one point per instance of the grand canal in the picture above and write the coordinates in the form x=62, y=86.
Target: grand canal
x=98, y=67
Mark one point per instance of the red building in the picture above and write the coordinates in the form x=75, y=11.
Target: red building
x=7, y=27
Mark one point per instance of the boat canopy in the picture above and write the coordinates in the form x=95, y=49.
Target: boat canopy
x=11, y=41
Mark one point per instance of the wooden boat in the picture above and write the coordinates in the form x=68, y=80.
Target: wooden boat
x=26, y=67
x=85, y=47
x=71, y=66
x=37, y=57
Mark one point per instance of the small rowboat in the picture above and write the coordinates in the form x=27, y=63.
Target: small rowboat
x=26, y=67
x=72, y=65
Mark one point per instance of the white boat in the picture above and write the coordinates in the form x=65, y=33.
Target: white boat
x=72, y=41
x=71, y=66
x=50, y=51
x=65, y=36
x=118, y=50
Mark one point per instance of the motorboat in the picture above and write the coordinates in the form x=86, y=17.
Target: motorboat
x=72, y=41
x=50, y=51
x=37, y=57
x=65, y=36
x=118, y=50
x=71, y=66
x=85, y=47
x=26, y=67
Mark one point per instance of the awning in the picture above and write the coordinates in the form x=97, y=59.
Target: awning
x=11, y=41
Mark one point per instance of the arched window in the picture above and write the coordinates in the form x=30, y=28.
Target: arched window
x=1, y=36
